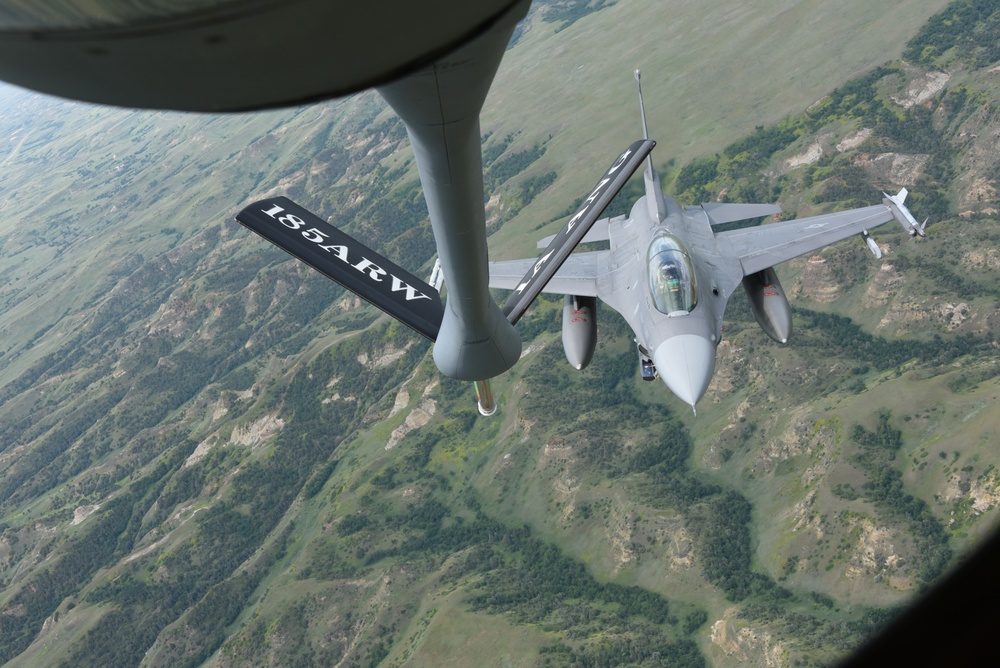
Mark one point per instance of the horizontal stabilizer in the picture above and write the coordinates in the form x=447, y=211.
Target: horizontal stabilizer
x=350, y=263
x=577, y=276
x=576, y=229
x=728, y=212
x=599, y=232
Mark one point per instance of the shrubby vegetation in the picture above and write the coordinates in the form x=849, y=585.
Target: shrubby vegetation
x=842, y=336
x=244, y=322
x=737, y=171
x=568, y=12
x=967, y=26
x=884, y=488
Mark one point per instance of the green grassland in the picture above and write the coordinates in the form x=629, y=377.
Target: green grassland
x=712, y=74
x=209, y=455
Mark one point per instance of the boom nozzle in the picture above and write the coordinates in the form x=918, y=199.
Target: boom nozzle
x=484, y=397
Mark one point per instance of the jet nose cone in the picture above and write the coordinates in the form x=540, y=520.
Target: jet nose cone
x=685, y=363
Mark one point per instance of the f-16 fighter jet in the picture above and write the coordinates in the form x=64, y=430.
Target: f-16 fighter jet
x=670, y=275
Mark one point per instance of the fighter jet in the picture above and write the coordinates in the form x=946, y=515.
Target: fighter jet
x=213, y=56
x=670, y=275
x=667, y=273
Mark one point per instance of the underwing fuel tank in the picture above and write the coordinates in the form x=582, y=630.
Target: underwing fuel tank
x=770, y=307
x=579, y=330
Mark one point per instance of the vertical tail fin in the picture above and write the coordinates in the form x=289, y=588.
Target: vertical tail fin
x=654, y=195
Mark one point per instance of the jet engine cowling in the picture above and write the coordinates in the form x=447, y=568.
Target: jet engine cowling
x=579, y=330
x=770, y=307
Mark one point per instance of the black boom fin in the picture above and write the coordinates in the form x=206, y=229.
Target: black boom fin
x=350, y=263
x=575, y=229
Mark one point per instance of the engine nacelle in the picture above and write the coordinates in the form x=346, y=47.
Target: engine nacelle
x=770, y=307
x=579, y=329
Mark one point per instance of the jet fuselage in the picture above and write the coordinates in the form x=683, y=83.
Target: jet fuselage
x=667, y=278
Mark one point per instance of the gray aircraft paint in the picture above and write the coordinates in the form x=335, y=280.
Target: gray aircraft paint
x=231, y=55
x=683, y=345
x=440, y=106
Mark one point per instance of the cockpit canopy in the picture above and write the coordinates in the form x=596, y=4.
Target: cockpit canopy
x=671, y=275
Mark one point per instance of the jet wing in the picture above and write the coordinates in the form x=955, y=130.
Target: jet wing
x=767, y=245
x=577, y=275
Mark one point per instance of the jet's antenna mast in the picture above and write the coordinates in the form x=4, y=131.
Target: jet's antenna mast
x=642, y=112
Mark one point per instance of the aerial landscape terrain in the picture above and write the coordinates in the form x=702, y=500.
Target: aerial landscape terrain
x=211, y=454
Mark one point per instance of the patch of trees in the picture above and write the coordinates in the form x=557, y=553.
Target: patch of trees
x=539, y=320
x=668, y=480
x=101, y=542
x=530, y=188
x=842, y=182
x=496, y=149
x=390, y=214
x=858, y=99
x=568, y=12
x=251, y=647
x=203, y=575
x=509, y=166
x=885, y=435
x=622, y=203
x=969, y=27
x=124, y=635
x=847, y=339
x=37, y=469
x=944, y=280
x=235, y=276
x=695, y=180
x=724, y=551
x=884, y=488
x=557, y=391
x=527, y=579
x=754, y=151
x=738, y=169
x=540, y=580
x=318, y=479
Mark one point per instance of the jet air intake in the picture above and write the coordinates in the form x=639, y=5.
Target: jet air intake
x=579, y=330
x=769, y=305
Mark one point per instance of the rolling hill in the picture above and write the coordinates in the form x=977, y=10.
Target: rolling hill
x=210, y=455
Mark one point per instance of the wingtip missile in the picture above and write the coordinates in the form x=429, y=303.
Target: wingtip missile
x=902, y=214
